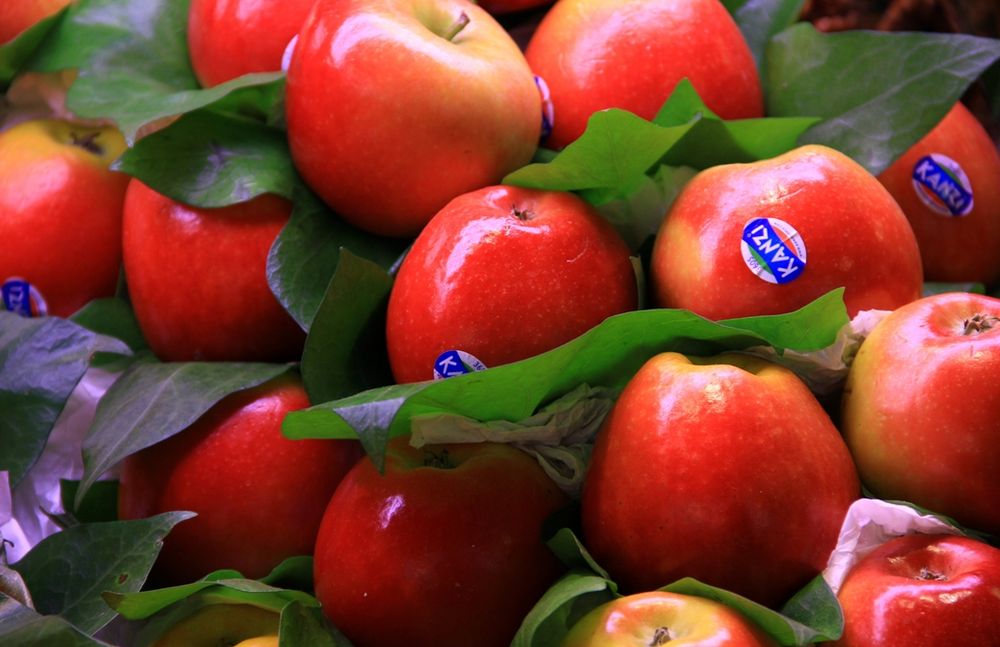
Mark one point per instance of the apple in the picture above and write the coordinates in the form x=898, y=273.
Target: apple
x=923, y=590
x=454, y=108
x=444, y=549
x=629, y=54
x=224, y=624
x=19, y=15
x=501, y=274
x=259, y=496
x=662, y=618
x=60, y=216
x=947, y=186
x=197, y=278
x=725, y=469
x=921, y=408
x=771, y=236
x=230, y=38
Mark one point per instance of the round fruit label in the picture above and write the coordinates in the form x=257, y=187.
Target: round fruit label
x=548, y=109
x=773, y=250
x=942, y=185
x=456, y=362
x=20, y=297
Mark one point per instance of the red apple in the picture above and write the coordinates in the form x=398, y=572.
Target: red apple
x=921, y=411
x=230, y=38
x=501, y=274
x=948, y=186
x=60, y=216
x=445, y=547
x=259, y=496
x=725, y=469
x=197, y=278
x=772, y=236
x=597, y=54
x=923, y=590
x=661, y=618
x=454, y=107
x=19, y=15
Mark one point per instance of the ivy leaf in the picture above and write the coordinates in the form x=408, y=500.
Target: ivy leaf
x=15, y=53
x=760, y=20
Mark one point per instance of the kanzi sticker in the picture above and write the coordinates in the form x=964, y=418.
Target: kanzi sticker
x=548, y=109
x=773, y=250
x=456, y=362
x=942, y=185
x=20, y=297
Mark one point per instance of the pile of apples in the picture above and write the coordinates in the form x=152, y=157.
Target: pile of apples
x=716, y=489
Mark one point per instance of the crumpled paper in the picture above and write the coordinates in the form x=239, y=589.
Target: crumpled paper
x=25, y=513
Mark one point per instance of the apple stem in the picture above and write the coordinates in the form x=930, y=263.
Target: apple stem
x=661, y=636
x=457, y=26
x=440, y=460
x=523, y=215
x=87, y=142
x=979, y=323
x=928, y=574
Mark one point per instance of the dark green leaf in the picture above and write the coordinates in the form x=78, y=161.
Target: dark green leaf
x=941, y=288
x=112, y=317
x=15, y=53
x=67, y=572
x=759, y=20
x=133, y=62
x=571, y=552
x=100, y=504
x=33, y=630
x=816, y=606
x=292, y=573
x=345, y=350
x=304, y=257
x=607, y=355
x=151, y=402
x=878, y=93
x=234, y=590
x=306, y=626
x=208, y=159
x=562, y=606
x=785, y=630
x=41, y=362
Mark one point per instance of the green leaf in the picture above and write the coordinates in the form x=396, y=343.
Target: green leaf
x=931, y=288
x=151, y=402
x=33, y=630
x=66, y=572
x=785, y=630
x=607, y=355
x=561, y=607
x=760, y=20
x=306, y=626
x=816, y=606
x=345, y=350
x=100, y=504
x=15, y=53
x=41, y=362
x=304, y=257
x=292, y=573
x=133, y=63
x=878, y=93
x=207, y=159
x=112, y=317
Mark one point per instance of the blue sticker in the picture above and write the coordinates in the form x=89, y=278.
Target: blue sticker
x=456, y=362
x=548, y=109
x=942, y=185
x=773, y=250
x=20, y=297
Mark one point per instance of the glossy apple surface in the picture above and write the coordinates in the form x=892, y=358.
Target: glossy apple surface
x=19, y=15
x=230, y=38
x=923, y=590
x=197, y=278
x=448, y=114
x=60, y=216
x=772, y=236
x=661, y=618
x=504, y=273
x=259, y=496
x=597, y=54
x=445, y=547
x=947, y=186
x=921, y=411
x=724, y=469
x=224, y=624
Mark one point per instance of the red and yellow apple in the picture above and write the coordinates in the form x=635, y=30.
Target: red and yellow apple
x=947, y=186
x=230, y=38
x=197, y=278
x=501, y=274
x=922, y=590
x=662, y=618
x=259, y=496
x=60, y=216
x=445, y=547
x=395, y=108
x=725, y=469
x=242, y=625
x=771, y=236
x=921, y=411
x=19, y=15
x=597, y=54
